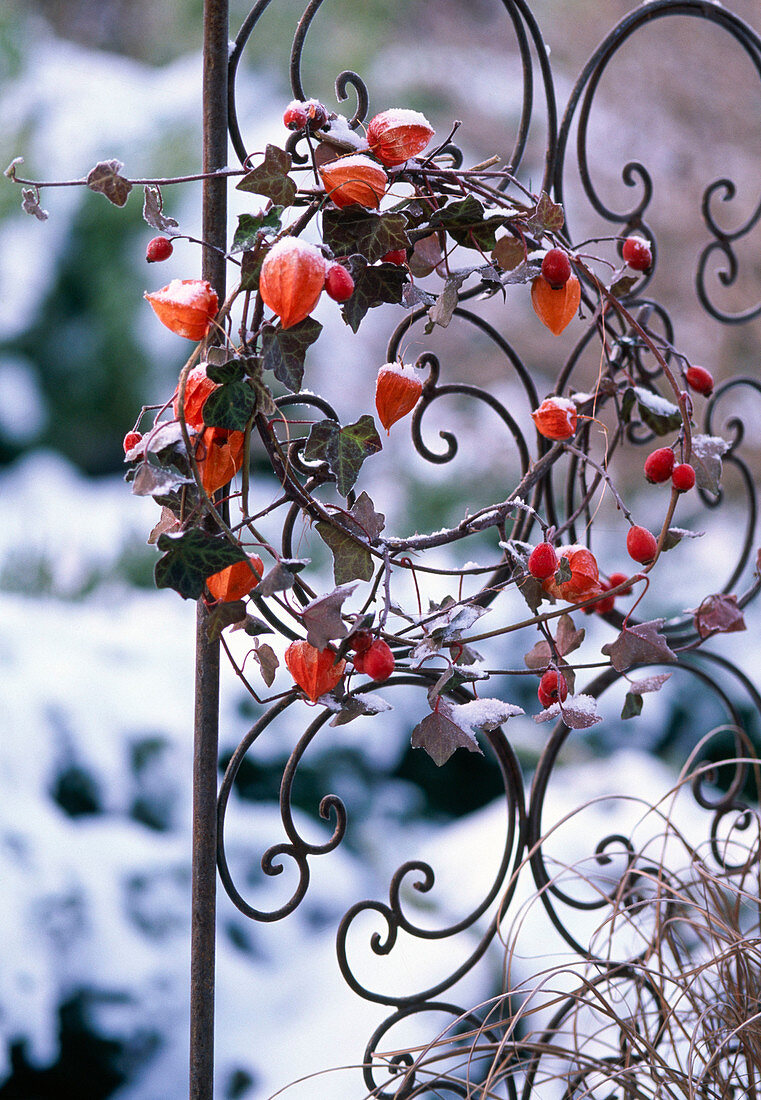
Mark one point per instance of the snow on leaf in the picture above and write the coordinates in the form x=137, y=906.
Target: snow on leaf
x=446, y=303
x=440, y=736
x=153, y=206
x=152, y=479
x=579, y=712
x=280, y=577
x=483, y=714
x=706, y=459
x=106, y=178
x=354, y=706
x=30, y=203
x=659, y=414
x=322, y=617
x=640, y=644
x=452, y=678
x=650, y=683
x=450, y=626
x=718, y=614
x=674, y=536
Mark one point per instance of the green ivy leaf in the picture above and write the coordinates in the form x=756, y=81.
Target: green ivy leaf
x=191, y=557
x=229, y=371
x=372, y=287
x=230, y=406
x=351, y=560
x=623, y=286
x=285, y=350
x=344, y=449
x=271, y=177
x=355, y=230
x=250, y=226
x=464, y=221
x=632, y=705
x=656, y=412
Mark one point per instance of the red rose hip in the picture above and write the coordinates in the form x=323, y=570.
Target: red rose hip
x=377, y=661
x=700, y=380
x=641, y=544
x=683, y=477
x=396, y=256
x=552, y=688
x=543, y=561
x=158, y=249
x=556, y=268
x=636, y=253
x=131, y=440
x=339, y=284
x=658, y=465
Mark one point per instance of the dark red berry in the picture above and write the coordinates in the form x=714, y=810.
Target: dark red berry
x=556, y=268
x=377, y=661
x=317, y=115
x=618, y=578
x=339, y=284
x=641, y=544
x=160, y=248
x=552, y=688
x=395, y=256
x=700, y=380
x=543, y=561
x=659, y=464
x=683, y=477
x=295, y=115
x=636, y=253
x=131, y=440
x=361, y=641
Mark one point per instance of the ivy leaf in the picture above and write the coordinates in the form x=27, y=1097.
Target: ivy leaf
x=351, y=560
x=568, y=638
x=660, y=415
x=168, y=522
x=344, y=449
x=372, y=287
x=508, y=252
x=440, y=736
x=322, y=617
x=465, y=223
x=649, y=683
x=354, y=230
x=707, y=451
x=353, y=706
x=222, y=615
x=230, y=406
x=450, y=627
x=579, y=712
x=632, y=705
x=285, y=350
x=266, y=658
x=30, y=204
x=280, y=577
x=547, y=216
x=623, y=286
x=369, y=522
x=718, y=614
x=441, y=312
x=220, y=368
x=154, y=478
x=531, y=590
x=191, y=557
x=426, y=256
x=253, y=626
x=674, y=536
x=271, y=177
x=153, y=207
x=638, y=645
x=252, y=227
x=539, y=656
x=105, y=177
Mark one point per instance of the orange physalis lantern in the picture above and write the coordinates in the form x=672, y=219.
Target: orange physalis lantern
x=219, y=454
x=555, y=307
x=556, y=418
x=198, y=386
x=186, y=306
x=292, y=279
x=314, y=670
x=585, y=576
x=396, y=393
x=355, y=179
x=237, y=580
x=398, y=134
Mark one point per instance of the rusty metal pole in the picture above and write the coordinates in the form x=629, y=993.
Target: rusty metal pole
x=206, y=734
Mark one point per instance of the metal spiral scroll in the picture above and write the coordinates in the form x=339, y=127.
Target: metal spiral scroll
x=565, y=495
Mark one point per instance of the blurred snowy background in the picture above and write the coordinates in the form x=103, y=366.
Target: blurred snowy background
x=96, y=666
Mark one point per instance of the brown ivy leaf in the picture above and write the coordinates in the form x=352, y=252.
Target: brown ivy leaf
x=30, y=203
x=622, y=286
x=718, y=614
x=224, y=614
x=322, y=617
x=440, y=736
x=426, y=256
x=639, y=645
x=539, y=656
x=441, y=312
x=650, y=683
x=153, y=205
x=168, y=522
x=509, y=252
x=579, y=712
x=280, y=577
x=547, y=215
x=674, y=536
x=354, y=706
x=105, y=177
x=369, y=522
x=568, y=637
x=267, y=660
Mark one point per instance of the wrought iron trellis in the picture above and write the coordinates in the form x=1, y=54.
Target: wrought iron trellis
x=523, y=840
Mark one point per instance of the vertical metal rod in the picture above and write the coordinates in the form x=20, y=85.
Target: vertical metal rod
x=206, y=733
